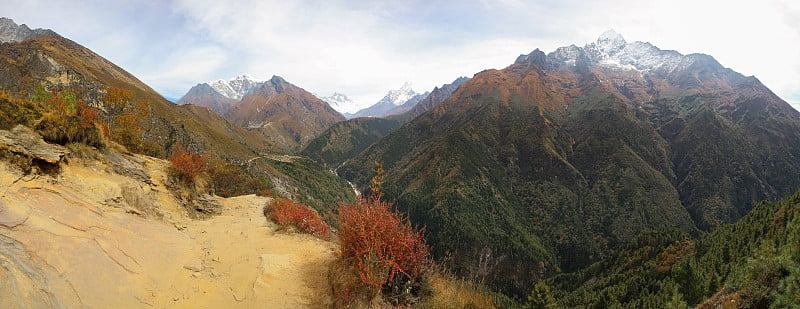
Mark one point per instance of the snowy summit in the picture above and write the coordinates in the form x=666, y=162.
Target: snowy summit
x=237, y=87
x=399, y=96
x=341, y=103
x=611, y=51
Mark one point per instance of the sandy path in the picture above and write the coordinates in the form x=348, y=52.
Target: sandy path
x=245, y=262
x=74, y=243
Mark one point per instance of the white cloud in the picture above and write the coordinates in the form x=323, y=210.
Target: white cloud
x=185, y=67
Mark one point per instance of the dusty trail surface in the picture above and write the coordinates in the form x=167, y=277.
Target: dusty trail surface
x=112, y=235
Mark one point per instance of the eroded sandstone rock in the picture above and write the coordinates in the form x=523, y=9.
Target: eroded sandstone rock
x=25, y=141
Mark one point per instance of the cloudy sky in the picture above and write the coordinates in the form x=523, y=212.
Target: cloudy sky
x=364, y=48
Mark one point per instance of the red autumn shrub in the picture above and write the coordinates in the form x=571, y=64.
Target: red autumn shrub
x=87, y=116
x=286, y=212
x=187, y=165
x=264, y=192
x=387, y=254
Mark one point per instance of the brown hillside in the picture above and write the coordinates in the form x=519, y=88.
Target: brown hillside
x=284, y=113
x=60, y=62
x=560, y=164
x=209, y=99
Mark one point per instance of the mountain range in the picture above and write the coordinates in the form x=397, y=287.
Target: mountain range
x=54, y=62
x=394, y=102
x=553, y=162
x=617, y=172
x=220, y=95
x=408, y=112
x=285, y=113
x=281, y=111
x=346, y=139
x=341, y=103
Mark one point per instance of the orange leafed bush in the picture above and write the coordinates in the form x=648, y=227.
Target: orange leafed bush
x=187, y=165
x=387, y=253
x=286, y=212
x=124, y=120
x=264, y=192
x=88, y=116
x=68, y=119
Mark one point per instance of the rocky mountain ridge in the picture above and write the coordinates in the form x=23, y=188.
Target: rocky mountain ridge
x=10, y=32
x=611, y=51
x=285, y=113
x=394, y=102
x=341, y=103
x=436, y=96
x=560, y=158
x=220, y=95
x=49, y=64
x=237, y=87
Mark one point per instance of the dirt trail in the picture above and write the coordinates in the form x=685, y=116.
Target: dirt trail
x=78, y=241
x=246, y=261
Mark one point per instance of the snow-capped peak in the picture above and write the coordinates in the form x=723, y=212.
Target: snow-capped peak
x=611, y=36
x=237, y=87
x=246, y=76
x=336, y=100
x=612, y=51
x=400, y=96
x=341, y=103
x=610, y=43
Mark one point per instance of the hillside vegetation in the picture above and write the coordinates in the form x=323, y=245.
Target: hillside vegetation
x=48, y=82
x=533, y=170
x=346, y=139
x=754, y=263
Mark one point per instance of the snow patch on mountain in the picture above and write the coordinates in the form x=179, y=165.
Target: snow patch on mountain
x=341, y=103
x=399, y=96
x=236, y=88
x=392, y=100
x=612, y=51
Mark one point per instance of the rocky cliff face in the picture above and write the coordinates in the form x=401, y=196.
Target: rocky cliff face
x=10, y=32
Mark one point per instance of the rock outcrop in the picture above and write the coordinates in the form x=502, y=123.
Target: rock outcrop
x=11, y=32
x=23, y=140
x=93, y=237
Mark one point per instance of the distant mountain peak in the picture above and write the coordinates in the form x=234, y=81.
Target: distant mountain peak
x=406, y=87
x=221, y=94
x=341, y=103
x=245, y=76
x=396, y=98
x=277, y=79
x=10, y=32
x=237, y=87
x=340, y=96
x=611, y=38
x=400, y=96
x=611, y=51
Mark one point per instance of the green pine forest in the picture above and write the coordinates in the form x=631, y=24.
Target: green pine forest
x=753, y=263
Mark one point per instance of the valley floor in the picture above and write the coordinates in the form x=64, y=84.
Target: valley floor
x=94, y=238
